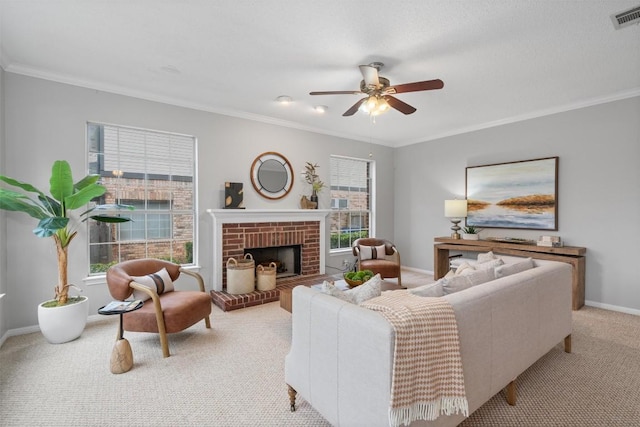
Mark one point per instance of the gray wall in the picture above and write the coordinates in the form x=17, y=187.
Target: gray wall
x=599, y=193
x=3, y=228
x=599, y=201
x=46, y=121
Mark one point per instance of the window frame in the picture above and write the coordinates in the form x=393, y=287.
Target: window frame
x=372, y=200
x=98, y=277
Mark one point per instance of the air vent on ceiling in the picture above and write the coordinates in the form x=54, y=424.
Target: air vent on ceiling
x=626, y=18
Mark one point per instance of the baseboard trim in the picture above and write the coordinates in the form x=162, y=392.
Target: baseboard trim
x=417, y=270
x=36, y=328
x=612, y=307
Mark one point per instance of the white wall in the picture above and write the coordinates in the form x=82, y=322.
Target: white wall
x=46, y=121
x=599, y=190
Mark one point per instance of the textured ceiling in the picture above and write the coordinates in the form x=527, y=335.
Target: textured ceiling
x=500, y=61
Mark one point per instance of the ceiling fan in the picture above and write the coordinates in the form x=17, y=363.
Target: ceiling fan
x=379, y=92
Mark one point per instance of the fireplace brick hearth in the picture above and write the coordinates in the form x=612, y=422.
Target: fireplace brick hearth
x=236, y=237
x=235, y=230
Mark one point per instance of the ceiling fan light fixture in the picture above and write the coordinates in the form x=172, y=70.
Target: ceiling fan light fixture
x=321, y=109
x=374, y=105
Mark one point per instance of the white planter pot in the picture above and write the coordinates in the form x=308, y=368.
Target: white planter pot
x=63, y=324
x=470, y=236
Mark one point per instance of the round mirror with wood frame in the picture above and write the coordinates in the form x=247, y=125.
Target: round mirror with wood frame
x=272, y=175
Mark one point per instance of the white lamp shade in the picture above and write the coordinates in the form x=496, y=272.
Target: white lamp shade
x=455, y=208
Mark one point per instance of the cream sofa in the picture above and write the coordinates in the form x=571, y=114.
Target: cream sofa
x=341, y=354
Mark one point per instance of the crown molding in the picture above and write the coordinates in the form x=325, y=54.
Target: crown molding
x=148, y=96
x=536, y=114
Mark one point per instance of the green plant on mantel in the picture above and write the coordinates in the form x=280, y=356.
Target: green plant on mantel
x=312, y=178
x=52, y=212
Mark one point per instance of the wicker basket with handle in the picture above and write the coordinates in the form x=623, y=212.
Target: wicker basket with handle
x=266, y=277
x=241, y=275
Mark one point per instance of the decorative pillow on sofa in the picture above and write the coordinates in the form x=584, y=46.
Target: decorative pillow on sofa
x=372, y=252
x=369, y=289
x=462, y=282
x=484, y=257
x=465, y=266
x=160, y=281
x=491, y=264
x=509, y=269
x=429, y=290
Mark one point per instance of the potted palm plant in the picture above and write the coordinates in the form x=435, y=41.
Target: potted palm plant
x=54, y=220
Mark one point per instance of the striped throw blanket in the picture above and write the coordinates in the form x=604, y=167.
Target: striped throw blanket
x=427, y=373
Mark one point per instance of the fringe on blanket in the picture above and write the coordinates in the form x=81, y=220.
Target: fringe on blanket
x=428, y=410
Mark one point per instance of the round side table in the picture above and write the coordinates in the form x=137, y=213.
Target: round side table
x=121, y=355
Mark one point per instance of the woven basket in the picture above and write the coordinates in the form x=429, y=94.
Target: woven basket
x=266, y=277
x=241, y=275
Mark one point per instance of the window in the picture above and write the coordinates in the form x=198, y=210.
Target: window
x=147, y=224
x=155, y=173
x=351, y=200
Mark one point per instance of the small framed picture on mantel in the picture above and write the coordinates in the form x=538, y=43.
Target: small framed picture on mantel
x=233, y=195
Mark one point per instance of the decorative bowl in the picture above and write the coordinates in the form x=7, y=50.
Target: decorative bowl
x=353, y=283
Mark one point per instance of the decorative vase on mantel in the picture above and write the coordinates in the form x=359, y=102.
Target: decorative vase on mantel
x=314, y=198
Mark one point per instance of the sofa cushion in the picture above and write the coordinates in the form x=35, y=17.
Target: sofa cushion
x=509, y=269
x=429, y=290
x=369, y=289
x=160, y=281
x=372, y=252
x=465, y=266
x=484, y=257
x=491, y=264
x=465, y=281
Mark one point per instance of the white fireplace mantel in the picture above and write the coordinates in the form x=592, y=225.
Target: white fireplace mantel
x=236, y=216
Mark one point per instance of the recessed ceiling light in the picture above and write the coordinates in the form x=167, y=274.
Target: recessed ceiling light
x=284, y=99
x=321, y=108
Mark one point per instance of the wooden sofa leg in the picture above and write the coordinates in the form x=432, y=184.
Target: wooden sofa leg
x=511, y=393
x=567, y=344
x=292, y=398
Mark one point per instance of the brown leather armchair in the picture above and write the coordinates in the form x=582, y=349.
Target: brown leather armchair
x=164, y=312
x=378, y=255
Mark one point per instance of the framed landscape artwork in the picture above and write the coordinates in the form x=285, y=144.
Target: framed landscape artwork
x=520, y=194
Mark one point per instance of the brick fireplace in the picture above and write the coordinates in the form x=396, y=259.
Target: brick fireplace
x=235, y=230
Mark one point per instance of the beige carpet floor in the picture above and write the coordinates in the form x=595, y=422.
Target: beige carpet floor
x=232, y=375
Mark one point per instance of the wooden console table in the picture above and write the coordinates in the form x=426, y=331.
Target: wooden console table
x=570, y=254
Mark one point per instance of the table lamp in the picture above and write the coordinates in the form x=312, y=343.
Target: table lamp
x=455, y=210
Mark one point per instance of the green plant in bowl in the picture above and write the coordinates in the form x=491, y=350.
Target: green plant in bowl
x=355, y=278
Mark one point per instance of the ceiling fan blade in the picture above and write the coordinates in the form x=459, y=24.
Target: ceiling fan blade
x=403, y=107
x=370, y=75
x=337, y=92
x=416, y=86
x=354, y=108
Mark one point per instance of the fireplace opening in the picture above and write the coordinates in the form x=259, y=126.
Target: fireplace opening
x=288, y=259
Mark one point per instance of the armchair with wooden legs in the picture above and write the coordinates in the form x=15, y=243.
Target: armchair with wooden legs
x=378, y=255
x=165, y=311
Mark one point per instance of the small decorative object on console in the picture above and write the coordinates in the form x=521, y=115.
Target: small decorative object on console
x=550, y=241
x=470, y=233
x=512, y=240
